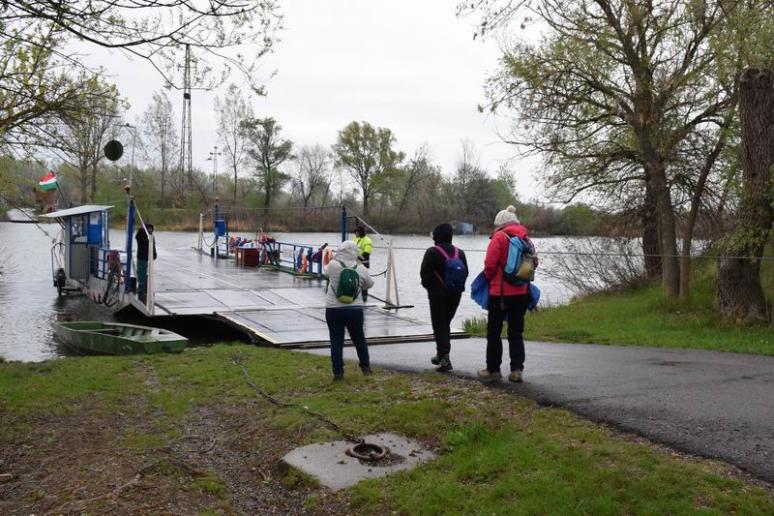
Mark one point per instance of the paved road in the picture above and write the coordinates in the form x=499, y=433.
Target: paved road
x=718, y=405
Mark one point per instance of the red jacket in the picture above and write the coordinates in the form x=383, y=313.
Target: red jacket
x=497, y=255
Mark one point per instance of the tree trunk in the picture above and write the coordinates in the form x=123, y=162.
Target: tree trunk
x=651, y=248
x=235, y=185
x=693, y=212
x=93, y=194
x=670, y=266
x=366, y=193
x=163, y=185
x=267, y=189
x=84, y=173
x=738, y=287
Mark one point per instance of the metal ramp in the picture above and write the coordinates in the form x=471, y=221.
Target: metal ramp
x=269, y=306
x=306, y=327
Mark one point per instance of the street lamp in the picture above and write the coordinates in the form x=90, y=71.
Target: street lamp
x=214, y=158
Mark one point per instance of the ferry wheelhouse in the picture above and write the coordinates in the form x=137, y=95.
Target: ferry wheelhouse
x=83, y=259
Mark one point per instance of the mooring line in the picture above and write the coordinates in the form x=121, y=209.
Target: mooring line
x=238, y=360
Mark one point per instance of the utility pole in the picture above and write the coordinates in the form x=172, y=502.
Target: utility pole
x=214, y=158
x=186, y=147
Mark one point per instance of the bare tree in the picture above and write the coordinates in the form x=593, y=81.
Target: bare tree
x=79, y=140
x=232, y=110
x=312, y=172
x=414, y=174
x=161, y=138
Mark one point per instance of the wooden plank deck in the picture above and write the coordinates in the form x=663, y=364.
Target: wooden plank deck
x=270, y=306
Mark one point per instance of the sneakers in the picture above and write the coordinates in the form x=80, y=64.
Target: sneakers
x=436, y=360
x=366, y=371
x=485, y=375
x=338, y=377
x=515, y=376
x=444, y=364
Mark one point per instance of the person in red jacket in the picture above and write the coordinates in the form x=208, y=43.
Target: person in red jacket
x=504, y=299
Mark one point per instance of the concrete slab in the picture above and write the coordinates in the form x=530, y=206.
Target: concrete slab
x=329, y=464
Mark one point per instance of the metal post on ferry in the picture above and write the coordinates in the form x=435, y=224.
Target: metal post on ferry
x=200, y=243
x=129, y=240
x=215, y=226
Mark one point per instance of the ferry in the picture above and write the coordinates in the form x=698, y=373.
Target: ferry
x=83, y=259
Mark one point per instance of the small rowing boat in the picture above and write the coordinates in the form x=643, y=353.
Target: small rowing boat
x=110, y=338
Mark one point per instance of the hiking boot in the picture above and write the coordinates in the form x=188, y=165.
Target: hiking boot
x=436, y=360
x=485, y=375
x=366, y=371
x=515, y=376
x=444, y=364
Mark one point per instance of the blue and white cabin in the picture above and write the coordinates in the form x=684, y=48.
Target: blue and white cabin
x=83, y=259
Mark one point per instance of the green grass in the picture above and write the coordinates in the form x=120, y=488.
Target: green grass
x=645, y=317
x=498, y=453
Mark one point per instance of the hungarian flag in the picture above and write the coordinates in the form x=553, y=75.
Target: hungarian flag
x=47, y=182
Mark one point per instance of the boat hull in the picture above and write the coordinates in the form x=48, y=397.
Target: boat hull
x=117, y=339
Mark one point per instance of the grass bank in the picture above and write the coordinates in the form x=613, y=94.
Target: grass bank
x=186, y=434
x=644, y=317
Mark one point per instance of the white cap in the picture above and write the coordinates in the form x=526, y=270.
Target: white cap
x=505, y=216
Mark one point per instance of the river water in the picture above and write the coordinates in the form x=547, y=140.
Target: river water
x=29, y=303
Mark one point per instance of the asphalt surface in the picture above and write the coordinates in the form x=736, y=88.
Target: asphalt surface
x=718, y=405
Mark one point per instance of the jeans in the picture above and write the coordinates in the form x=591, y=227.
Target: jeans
x=350, y=318
x=442, y=310
x=142, y=279
x=515, y=307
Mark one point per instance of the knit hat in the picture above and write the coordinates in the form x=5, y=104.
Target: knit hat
x=505, y=216
x=442, y=234
x=347, y=251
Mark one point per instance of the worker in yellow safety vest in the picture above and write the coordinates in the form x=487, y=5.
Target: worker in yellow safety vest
x=365, y=248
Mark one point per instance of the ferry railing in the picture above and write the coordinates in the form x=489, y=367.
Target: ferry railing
x=289, y=256
x=391, y=274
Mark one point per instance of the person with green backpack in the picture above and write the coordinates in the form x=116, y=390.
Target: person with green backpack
x=347, y=278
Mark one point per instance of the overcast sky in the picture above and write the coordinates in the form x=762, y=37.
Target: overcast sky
x=411, y=66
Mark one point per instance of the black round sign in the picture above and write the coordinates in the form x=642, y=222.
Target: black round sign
x=114, y=150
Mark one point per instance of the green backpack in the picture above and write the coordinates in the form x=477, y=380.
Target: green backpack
x=349, y=284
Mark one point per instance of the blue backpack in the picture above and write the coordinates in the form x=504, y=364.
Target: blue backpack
x=454, y=271
x=521, y=262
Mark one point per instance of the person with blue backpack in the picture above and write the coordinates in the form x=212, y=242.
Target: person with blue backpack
x=508, y=268
x=443, y=272
x=347, y=279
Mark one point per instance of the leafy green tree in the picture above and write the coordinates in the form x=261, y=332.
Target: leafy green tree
x=613, y=92
x=367, y=153
x=268, y=150
x=579, y=219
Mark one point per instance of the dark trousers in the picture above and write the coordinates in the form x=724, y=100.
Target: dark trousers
x=515, y=307
x=350, y=318
x=142, y=279
x=443, y=306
